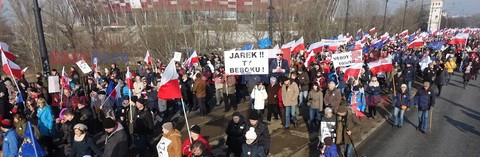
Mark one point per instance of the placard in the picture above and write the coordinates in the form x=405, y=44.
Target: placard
x=177, y=56
x=247, y=62
x=162, y=147
x=84, y=66
x=347, y=58
x=53, y=84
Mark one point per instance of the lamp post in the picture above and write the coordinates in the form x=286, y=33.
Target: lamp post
x=41, y=38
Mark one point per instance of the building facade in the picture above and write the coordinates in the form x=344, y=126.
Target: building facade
x=435, y=16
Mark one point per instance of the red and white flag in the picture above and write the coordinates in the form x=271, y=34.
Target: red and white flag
x=24, y=70
x=129, y=79
x=298, y=46
x=404, y=33
x=148, y=59
x=310, y=59
x=95, y=64
x=316, y=47
x=64, y=79
x=460, y=38
x=358, y=46
x=169, y=85
x=385, y=36
x=382, y=65
x=373, y=30
x=416, y=43
x=113, y=93
x=191, y=60
x=4, y=49
x=352, y=71
x=10, y=68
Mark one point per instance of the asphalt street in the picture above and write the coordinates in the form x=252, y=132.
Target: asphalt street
x=455, y=127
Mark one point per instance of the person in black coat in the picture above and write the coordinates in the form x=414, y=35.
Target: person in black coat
x=399, y=80
x=86, y=116
x=408, y=75
x=235, y=130
x=83, y=144
x=143, y=126
x=261, y=129
x=440, y=78
x=251, y=147
x=116, y=141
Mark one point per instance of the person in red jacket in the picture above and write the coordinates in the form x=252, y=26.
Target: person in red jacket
x=195, y=136
x=280, y=103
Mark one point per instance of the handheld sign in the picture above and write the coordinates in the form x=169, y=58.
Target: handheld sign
x=177, y=56
x=53, y=84
x=84, y=66
x=252, y=62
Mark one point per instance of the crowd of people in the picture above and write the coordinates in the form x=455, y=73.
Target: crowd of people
x=67, y=122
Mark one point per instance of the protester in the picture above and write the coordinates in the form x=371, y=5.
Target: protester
x=348, y=129
x=143, y=126
x=251, y=148
x=425, y=100
x=315, y=102
x=450, y=66
x=467, y=74
x=46, y=125
x=83, y=144
x=195, y=136
x=230, y=92
x=173, y=135
x=200, y=91
x=401, y=101
x=304, y=81
x=261, y=130
x=332, y=97
x=235, y=134
x=116, y=144
x=259, y=94
x=357, y=101
x=374, y=98
x=272, y=99
x=290, y=100
x=330, y=148
x=327, y=126
x=200, y=150
x=11, y=141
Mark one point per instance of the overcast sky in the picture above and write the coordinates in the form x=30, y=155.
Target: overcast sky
x=452, y=7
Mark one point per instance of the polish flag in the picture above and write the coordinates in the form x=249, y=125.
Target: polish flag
x=24, y=70
x=10, y=68
x=373, y=30
x=358, y=46
x=95, y=64
x=316, y=47
x=288, y=46
x=113, y=93
x=191, y=60
x=460, y=38
x=169, y=85
x=4, y=49
x=385, y=36
x=353, y=71
x=310, y=59
x=416, y=43
x=436, y=32
x=404, y=33
x=129, y=79
x=64, y=78
x=148, y=59
x=382, y=65
x=298, y=46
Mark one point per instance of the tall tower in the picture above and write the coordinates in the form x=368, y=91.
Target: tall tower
x=435, y=16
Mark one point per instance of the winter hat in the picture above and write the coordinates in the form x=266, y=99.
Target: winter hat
x=195, y=129
x=254, y=115
x=6, y=123
x=251, y=134
x=80, y=126
x=141, y=101
x=328, y=110
x=342, y=109
x=167, y=126
x=355, y=88
x=108, y=123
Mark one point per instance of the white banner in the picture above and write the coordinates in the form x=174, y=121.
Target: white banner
x=53, y=84
x=246, y=62
x=177, y=56
x=347, y=58
x=84, y=66
x=335, y=42
x=162, y=147
x=135, y=4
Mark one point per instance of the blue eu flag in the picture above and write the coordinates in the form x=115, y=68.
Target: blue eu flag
x=248, y=47
x=30, y=146
x=264, y=43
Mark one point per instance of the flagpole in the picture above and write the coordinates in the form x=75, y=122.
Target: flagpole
x=109, y=95
x=186, y=120
x=61, y=92
x=129, y=96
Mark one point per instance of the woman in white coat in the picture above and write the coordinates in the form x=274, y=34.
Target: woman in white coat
x=259, y=94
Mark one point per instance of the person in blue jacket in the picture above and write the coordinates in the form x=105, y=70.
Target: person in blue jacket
x=46, y=125
x=330, y=148
x=11, y=141
x=401, y=101
x=425, y=100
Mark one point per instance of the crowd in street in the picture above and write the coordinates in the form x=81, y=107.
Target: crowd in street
x=67, y=122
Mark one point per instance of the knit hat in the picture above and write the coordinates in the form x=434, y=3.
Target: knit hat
x=328, y=110
x=141, y=101
x=195, y=129
x=342, y=109
x=251, y=134
x=254, y=115
x=167, y=126
x=6, y=123
x=355, y=88
x=81, y=127
x=108, y=123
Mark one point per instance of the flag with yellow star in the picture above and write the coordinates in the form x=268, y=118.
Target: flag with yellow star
x=30, y=146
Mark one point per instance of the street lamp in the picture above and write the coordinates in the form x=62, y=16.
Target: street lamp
x=41, y=39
